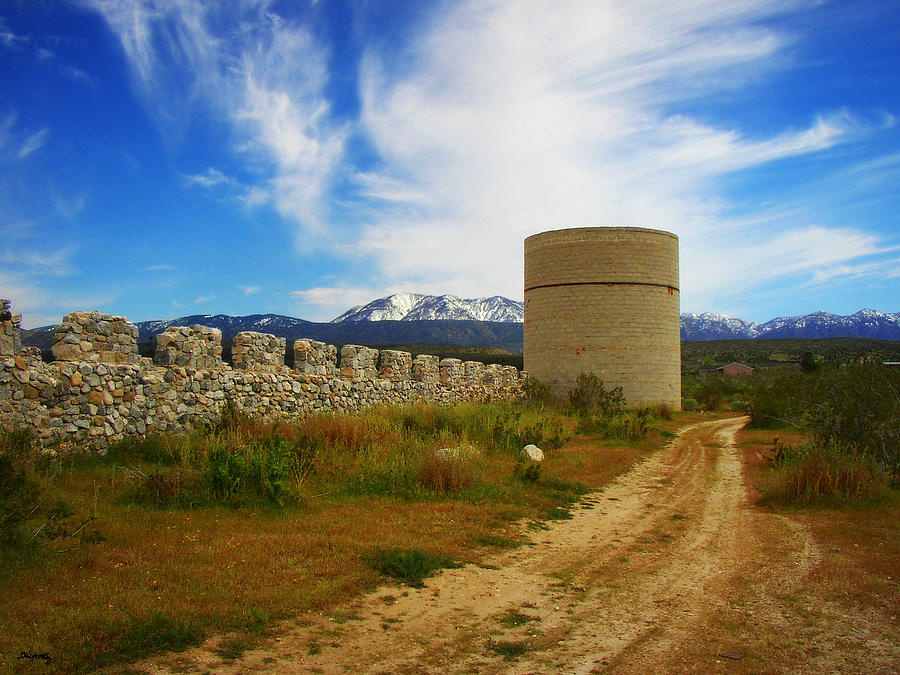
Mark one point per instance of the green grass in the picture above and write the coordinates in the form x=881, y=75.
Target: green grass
x=410, y=566
x=509, y=649
x=155, y=633
x=513, y=618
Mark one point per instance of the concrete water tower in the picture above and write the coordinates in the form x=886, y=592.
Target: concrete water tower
x=605, y=300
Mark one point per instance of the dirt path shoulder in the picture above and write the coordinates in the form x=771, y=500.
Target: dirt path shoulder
x=666, y=570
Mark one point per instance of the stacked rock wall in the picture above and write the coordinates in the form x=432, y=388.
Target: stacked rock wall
x=452, y=372
x=427, y=369
x=93, y=337
x=10, y=343
x=316, y=358
x=358, y=362
x=258, y=351
x=189, y=346
x=74, y=405
x=395, y=366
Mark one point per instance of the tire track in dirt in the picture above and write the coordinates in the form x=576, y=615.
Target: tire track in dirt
x=623, y=583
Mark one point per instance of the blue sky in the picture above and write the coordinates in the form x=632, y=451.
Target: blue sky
x=168, y=157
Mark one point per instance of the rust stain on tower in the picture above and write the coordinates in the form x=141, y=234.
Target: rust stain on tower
x=605, y=300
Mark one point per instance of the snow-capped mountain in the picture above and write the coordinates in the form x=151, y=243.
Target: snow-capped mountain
x=277, y=324
x=417, y=307
x=867, y=323
x=709, y=326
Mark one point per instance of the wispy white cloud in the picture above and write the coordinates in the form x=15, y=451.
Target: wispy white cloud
x=200, y=299
x=32, y=143
x=38, y=261
x=11, y=40
x=159, y=268
x=18, y=145
x=503, y=120
x=207, y=179
x=262, y=75
x=250, y=290
x=324, y=303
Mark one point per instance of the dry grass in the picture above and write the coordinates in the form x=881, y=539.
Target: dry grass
x=861, y=544
x=163, y=578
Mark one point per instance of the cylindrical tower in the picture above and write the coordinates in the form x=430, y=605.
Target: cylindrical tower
x=605, y=300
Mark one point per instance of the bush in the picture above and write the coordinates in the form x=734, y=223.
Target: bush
x=262, y=468
x=536, y=391
x=591, y=394
x=857, y=410
x=824, y=475
x=409, y=565
x=448, y=469
x=628, y=426
x=853, y=409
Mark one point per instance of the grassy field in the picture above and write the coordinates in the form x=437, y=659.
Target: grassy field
x=159, y=544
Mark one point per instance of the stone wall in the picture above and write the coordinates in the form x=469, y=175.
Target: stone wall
x=315, y=358
x=73, y=405
x=258, y=351
x=93, y=337
x=189, y=346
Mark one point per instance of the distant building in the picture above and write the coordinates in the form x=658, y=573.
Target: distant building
x=891, y=364
x=735, y=369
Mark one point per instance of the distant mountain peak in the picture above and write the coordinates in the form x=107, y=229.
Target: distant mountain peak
x=419, y=307
x=820, y=324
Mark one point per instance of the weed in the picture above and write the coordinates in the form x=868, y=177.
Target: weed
x=824, y=474
x=590, y=393
x=232, y=648
x=449, y=469
x=409, y=565
x=19, y=494
x=155, y=633
x=497, y=541
x=513, y=618
x=508, y=649
x=529, y=473
x=261, y=468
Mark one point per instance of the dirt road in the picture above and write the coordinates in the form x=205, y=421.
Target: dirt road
x=666, y=570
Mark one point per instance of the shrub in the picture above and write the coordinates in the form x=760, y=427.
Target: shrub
x=857, y=409
x=536, y=391
x=156, y=633
x=628, y=426
x=662, y=411
x=822, y=475
x=448, y=469
x=409, y=565
x=591, y=394
x=262, y=468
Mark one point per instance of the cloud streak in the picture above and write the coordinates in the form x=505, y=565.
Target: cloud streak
x=263, y=76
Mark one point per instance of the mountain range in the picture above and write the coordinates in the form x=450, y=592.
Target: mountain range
x=417, y=307
x=866, y=323
x=411, y=318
